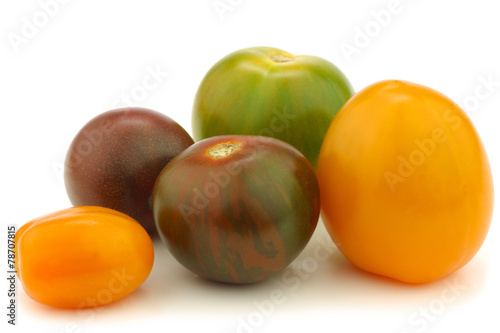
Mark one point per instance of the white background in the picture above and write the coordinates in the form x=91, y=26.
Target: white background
x=87, y=55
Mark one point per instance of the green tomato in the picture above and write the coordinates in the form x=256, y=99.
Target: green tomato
x=270, y=92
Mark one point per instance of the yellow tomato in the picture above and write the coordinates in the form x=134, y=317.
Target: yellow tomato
x=406, y=187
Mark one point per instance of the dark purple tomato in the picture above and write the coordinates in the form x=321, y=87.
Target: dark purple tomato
x=236, y=208
x=116, y=157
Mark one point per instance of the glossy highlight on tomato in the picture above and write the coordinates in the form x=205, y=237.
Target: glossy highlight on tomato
x=270, y=92
x=237, y=209
x=406, y=185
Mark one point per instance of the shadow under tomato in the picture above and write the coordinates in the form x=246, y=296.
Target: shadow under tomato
x=81, y=317
x=353, y=286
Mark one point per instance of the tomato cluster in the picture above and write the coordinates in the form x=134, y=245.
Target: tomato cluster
x=403, y=183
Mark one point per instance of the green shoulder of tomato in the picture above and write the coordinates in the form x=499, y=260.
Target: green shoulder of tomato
x=270, y=92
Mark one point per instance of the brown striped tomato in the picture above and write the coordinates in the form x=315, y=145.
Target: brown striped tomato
x=236, y=208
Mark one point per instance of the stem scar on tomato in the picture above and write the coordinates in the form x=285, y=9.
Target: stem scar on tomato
x=222, y=150
x=281, y=58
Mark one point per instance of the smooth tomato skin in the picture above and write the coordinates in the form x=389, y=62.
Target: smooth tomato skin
x=406, y=185
x=82, y=257
x=240, y=218
x=115, y=158
x=292, y=98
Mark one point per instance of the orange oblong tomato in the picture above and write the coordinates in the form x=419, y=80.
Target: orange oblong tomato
x=82, y=257
x=405, y=183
